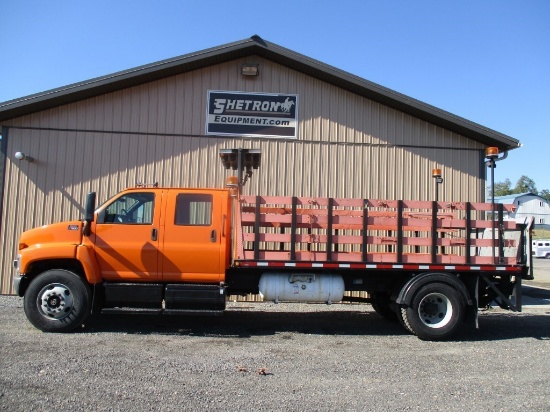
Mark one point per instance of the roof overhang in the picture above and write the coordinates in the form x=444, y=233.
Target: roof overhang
x=255, y=46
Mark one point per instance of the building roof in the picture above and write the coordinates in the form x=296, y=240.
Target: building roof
x=255, y=46
x=511, y=198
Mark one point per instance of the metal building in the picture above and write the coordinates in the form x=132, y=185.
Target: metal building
x=527, y=206
x=321, y=131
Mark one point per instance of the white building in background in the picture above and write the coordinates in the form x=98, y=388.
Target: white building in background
x=527, y=205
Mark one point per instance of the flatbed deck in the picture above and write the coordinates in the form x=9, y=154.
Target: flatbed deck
x=376, y=234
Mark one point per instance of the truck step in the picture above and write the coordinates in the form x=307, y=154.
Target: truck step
x=193, y=312
x=146, y=311
x=130, y=311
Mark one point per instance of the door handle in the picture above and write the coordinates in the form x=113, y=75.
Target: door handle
x=154, y=234
x=213, y=236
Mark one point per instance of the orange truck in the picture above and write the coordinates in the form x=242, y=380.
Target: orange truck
x=153, y=250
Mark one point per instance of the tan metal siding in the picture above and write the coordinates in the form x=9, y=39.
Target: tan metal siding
x=347, y=146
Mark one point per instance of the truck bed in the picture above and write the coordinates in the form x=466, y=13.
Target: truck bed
x=304, y=230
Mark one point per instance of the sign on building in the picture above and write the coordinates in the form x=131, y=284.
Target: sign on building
x=252, y=114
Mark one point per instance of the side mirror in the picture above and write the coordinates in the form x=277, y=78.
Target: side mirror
x=89, y=213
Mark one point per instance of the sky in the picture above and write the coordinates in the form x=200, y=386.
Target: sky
x=487, y=61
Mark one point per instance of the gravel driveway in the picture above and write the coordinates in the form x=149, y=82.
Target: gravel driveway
x=262, y=356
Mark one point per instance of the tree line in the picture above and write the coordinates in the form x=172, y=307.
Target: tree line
x=523, y=185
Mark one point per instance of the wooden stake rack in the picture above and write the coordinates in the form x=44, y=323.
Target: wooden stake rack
x=299, y=229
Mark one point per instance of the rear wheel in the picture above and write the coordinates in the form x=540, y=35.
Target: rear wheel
x=57, y=301
x=402, y=317
x=435, y=313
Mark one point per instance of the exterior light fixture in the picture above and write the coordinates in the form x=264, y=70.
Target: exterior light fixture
x=250, y=70
x=436, y=173
x=232, y=181
x=491, y=157
x=23, y=156
x=242, y=160
x=491, y=152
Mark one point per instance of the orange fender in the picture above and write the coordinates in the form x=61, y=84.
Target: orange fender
x=86, y=256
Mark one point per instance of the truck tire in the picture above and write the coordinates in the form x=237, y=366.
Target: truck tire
x=436, y=312
x=57, y=301
x=402, y=316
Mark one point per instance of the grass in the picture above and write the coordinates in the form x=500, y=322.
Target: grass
x=541, y=234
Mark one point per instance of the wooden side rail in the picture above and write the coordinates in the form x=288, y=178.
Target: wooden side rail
x=367, y=230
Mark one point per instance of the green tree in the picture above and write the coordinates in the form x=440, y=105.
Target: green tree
x=503, y=188
x=545, y=193
x=525, y=185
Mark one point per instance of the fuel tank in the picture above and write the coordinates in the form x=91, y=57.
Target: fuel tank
x=301, y=287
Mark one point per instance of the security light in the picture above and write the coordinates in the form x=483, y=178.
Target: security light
x=250, y=70
x=23, y=156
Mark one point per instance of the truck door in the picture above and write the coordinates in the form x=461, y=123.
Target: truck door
x=126, y=236
x=192, y=247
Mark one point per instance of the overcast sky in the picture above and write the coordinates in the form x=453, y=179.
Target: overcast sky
x=487, y=61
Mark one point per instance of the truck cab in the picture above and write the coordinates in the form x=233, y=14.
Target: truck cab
x=167, y=235
x=134, y=248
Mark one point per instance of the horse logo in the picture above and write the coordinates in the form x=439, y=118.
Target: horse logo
x=287, y=105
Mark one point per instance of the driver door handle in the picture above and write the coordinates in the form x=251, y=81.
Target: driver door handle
x=154, y=234
x=213, y=236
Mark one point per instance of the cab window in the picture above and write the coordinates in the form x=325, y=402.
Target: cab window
x=193, y=210
x=132, y=208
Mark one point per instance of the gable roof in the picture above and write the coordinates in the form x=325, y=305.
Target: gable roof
x=255, y=46
x=514, y=196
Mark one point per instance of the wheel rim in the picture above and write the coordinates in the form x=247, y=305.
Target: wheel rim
x=435, y=310
x=55, y=301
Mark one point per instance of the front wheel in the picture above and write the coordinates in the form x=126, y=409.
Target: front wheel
x=435, y=313
x=57, y=301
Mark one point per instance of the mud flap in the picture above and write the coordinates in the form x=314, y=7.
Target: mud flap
x=472, y=310
x=505, y=302
x=475, y=305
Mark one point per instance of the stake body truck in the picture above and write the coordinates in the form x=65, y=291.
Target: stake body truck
x=152, y=250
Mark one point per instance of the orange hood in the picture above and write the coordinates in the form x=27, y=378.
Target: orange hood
x=64, y=232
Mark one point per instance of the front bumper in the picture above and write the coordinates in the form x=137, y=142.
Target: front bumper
x=19, y=280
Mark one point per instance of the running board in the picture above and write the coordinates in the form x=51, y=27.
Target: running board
x=131, y=311
x=144, y=311
x=192, y=312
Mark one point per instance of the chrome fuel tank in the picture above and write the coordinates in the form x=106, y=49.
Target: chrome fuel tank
x=301, y=287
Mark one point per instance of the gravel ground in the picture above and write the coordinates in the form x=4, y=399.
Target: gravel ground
x=262, y=356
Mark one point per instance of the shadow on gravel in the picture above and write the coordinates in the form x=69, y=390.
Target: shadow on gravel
x=247, y=324
x=535, y=292
x=508, y=325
